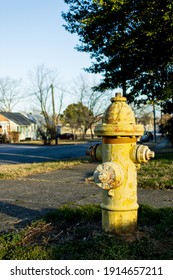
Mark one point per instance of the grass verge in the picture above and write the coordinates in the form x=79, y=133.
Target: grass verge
x=157, y=173
x=15, y=171
x=74, y=233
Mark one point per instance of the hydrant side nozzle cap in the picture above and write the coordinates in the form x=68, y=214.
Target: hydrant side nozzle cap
x=143, y=153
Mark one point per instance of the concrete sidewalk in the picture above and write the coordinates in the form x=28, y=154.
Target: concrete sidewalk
x=27, y=199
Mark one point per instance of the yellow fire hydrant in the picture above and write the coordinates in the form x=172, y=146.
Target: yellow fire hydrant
x=121, y=157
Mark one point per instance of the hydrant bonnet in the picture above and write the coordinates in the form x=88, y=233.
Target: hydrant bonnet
x=119, y=120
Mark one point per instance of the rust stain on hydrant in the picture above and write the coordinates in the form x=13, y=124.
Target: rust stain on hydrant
x=121, y=157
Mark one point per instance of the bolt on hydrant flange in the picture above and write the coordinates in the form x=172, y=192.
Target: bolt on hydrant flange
x=117, y=174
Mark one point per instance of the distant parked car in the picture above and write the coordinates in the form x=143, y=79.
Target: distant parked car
x=69, y=136
x=148, y=136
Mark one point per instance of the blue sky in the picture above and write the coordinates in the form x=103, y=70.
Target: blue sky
x=32, y=34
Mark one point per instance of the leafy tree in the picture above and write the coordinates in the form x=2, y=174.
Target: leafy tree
x=78, y=116
x=169, y=129
x=168, y=107
x=167, y=104
x=125, y=38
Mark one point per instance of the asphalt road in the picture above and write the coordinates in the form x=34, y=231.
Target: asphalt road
x=15, y=154
x=23, y=153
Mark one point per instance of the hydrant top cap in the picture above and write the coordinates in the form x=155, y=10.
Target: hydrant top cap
x=119, y=112
x=119, y=120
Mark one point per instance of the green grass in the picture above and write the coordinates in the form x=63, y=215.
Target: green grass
x=75, y=233
x=157, y=173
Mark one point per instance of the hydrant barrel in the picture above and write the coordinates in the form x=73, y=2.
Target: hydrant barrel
x=117, y=175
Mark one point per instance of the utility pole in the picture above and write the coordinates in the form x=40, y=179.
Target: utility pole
x=154, y=117
x=54, y=115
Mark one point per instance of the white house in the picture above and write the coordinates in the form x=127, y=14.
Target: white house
x=17, y=122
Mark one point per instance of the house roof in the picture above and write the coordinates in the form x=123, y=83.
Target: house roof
x=17, y=118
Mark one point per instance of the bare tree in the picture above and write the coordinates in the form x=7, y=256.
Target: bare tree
x=10, y=93
x=95, y=101
x=43, y=84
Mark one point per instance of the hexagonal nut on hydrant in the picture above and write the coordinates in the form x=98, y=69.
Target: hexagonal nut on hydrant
x=108, y=175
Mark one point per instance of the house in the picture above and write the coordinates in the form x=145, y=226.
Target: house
x=18, y=124
x=4, y=127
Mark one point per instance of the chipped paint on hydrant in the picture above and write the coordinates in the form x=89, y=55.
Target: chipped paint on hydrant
x=121, y=157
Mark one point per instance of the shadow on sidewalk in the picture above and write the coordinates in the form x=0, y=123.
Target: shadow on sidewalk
x=23, y=214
